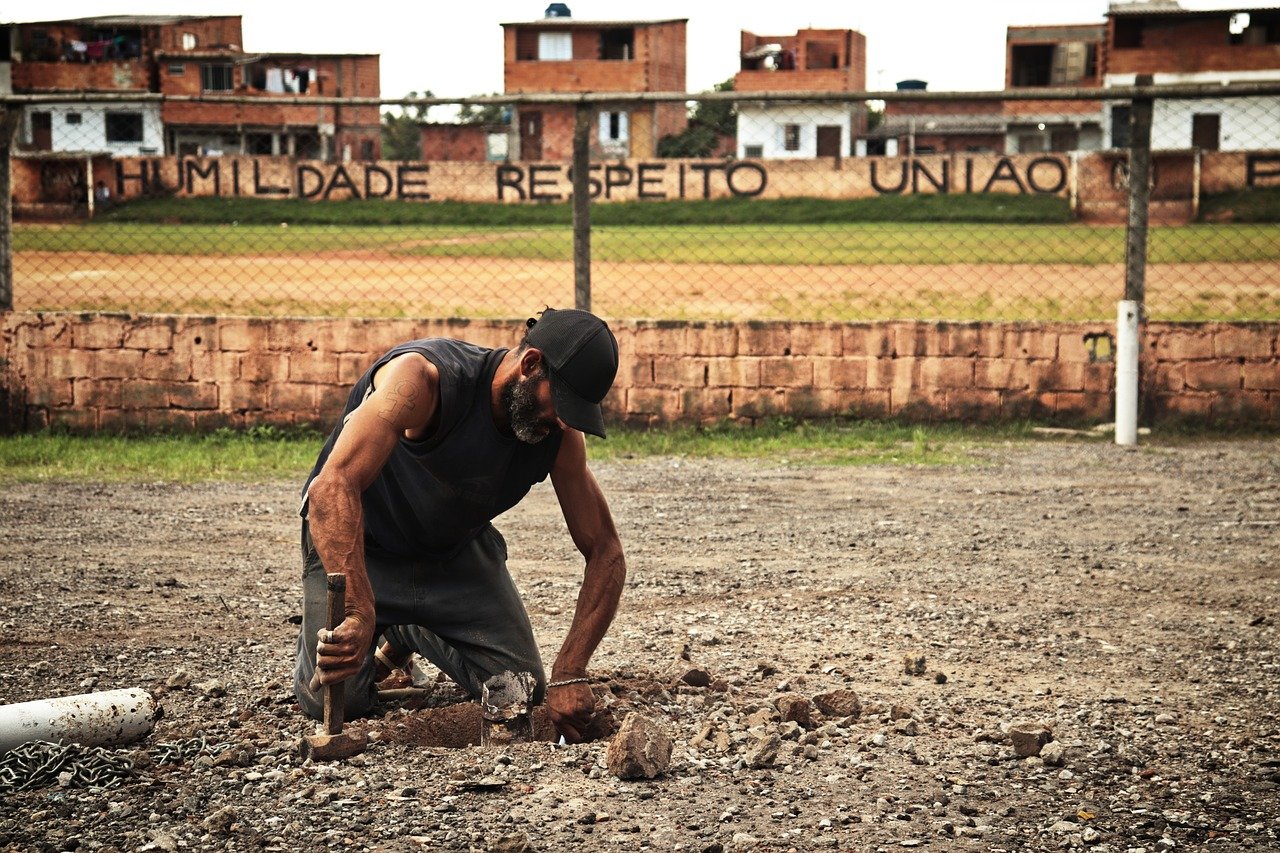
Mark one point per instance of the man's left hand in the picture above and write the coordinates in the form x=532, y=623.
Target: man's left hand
x=571, y=708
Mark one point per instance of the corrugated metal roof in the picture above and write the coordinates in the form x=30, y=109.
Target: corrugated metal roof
x=563, y=23
x=1163, y=9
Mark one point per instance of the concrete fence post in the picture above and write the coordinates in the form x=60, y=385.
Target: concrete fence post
x=1131, y=311
x=10, y=117
x=582, y=208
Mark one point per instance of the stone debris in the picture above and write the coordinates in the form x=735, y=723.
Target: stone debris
x=914, y=664
x=1028, y=739
x=640, y=749
x=1053, y=754
x=221, y=821
x=514, y=843
x=795, y=708
x=211, y=689
x=839, y=703
x=764, y=751
x=694, y=676
x=1176, y=756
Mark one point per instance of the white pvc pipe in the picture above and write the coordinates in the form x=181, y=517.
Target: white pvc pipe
x=1127, y=372
x=111, y=717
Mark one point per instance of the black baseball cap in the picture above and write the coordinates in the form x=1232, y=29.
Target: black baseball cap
x=581, y=355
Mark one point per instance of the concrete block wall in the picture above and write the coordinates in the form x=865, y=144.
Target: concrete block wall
x=117, y=372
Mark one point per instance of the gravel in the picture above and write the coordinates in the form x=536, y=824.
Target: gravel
x=840, y=657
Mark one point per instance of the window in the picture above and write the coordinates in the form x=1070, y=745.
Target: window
x=555, y=46
x=366, y=149
x=1119, y=127
x=124, y=127
x=495, y=147
x=613, y=128
x=791, y=137
x=216, y=78
x=189, y=41
x=177, y=69
x=1128, y=33
x=753, y=150
x=617, y=44
x=73, y=118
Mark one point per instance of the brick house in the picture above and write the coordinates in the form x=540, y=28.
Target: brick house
x=560, y=54
x=180, y=55
x=1160, y=38
x=809, y=61
x=1177, y=45
x=476, y=143
x=1043, y=56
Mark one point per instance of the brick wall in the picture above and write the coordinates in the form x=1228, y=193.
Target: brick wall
x=89, y=372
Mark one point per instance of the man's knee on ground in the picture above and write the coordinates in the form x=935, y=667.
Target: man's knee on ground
x=312, y=701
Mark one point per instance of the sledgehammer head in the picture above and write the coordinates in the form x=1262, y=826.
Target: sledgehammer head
x=326, y=747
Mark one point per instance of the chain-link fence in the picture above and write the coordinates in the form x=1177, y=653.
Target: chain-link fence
x=912, y=204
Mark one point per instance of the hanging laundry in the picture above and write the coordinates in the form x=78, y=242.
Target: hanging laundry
x=304, y=79
x=275, y=80
x=96, y=49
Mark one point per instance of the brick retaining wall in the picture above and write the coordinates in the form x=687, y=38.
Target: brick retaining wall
x=112, y=372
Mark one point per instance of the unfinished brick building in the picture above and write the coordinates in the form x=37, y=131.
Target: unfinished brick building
x=808, y=61
x=560, y=54
x=1177, y=45
x=184, y=55
x=1172, y=44
x=1042, y=56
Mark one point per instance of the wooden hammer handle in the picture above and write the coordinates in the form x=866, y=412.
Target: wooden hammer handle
x=335, y=694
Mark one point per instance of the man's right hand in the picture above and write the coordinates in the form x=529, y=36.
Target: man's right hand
x=341, y=653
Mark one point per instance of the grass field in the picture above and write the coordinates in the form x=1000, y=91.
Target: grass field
x=957, y=258
x=268, y=453
x=787, y=244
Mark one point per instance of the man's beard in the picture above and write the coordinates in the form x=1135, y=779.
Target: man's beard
x=520, y=400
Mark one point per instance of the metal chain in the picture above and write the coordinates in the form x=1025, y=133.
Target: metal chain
x=40, y=763
x=176, y=752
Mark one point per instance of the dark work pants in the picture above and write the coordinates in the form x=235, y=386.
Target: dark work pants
x=463, y=614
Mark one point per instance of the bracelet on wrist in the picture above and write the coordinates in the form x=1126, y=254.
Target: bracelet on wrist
x=565, y=682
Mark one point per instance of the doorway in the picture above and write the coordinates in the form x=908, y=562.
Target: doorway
x=1206, y=131
x=531, y=136
x=828, y=140
x=42, y=131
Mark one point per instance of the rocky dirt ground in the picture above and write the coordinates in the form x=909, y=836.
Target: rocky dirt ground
x=864, y=646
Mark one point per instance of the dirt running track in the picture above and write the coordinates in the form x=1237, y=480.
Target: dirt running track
x=1127, y=601
x=377, y=284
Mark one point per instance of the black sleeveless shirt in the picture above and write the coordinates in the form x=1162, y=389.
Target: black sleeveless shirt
x=435, y=495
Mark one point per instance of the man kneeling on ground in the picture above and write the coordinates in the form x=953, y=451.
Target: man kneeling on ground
x=438, y=438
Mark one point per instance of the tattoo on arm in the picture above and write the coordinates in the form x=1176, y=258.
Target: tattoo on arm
x=399, y=399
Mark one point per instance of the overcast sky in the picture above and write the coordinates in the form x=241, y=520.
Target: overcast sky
x=455, y=49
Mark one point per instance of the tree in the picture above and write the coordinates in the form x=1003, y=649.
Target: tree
x=709, y=122
x=401, y=136
x=484, y=113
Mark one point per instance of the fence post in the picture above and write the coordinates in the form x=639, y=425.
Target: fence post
x=581, y=208
x=9, y=118
x=1130, y=312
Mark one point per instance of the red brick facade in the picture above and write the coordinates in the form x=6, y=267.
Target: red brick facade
x=108, y=372
x=177, y=55
x=605, y=56
x=1147, y=41
x=810, y=61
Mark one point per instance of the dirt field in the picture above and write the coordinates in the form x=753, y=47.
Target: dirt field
x=1126, y=601
x=379, y=284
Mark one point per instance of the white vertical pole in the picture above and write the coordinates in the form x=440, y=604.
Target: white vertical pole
x=1127, y=372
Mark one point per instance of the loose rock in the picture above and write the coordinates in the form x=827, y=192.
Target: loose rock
x=640, y=749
